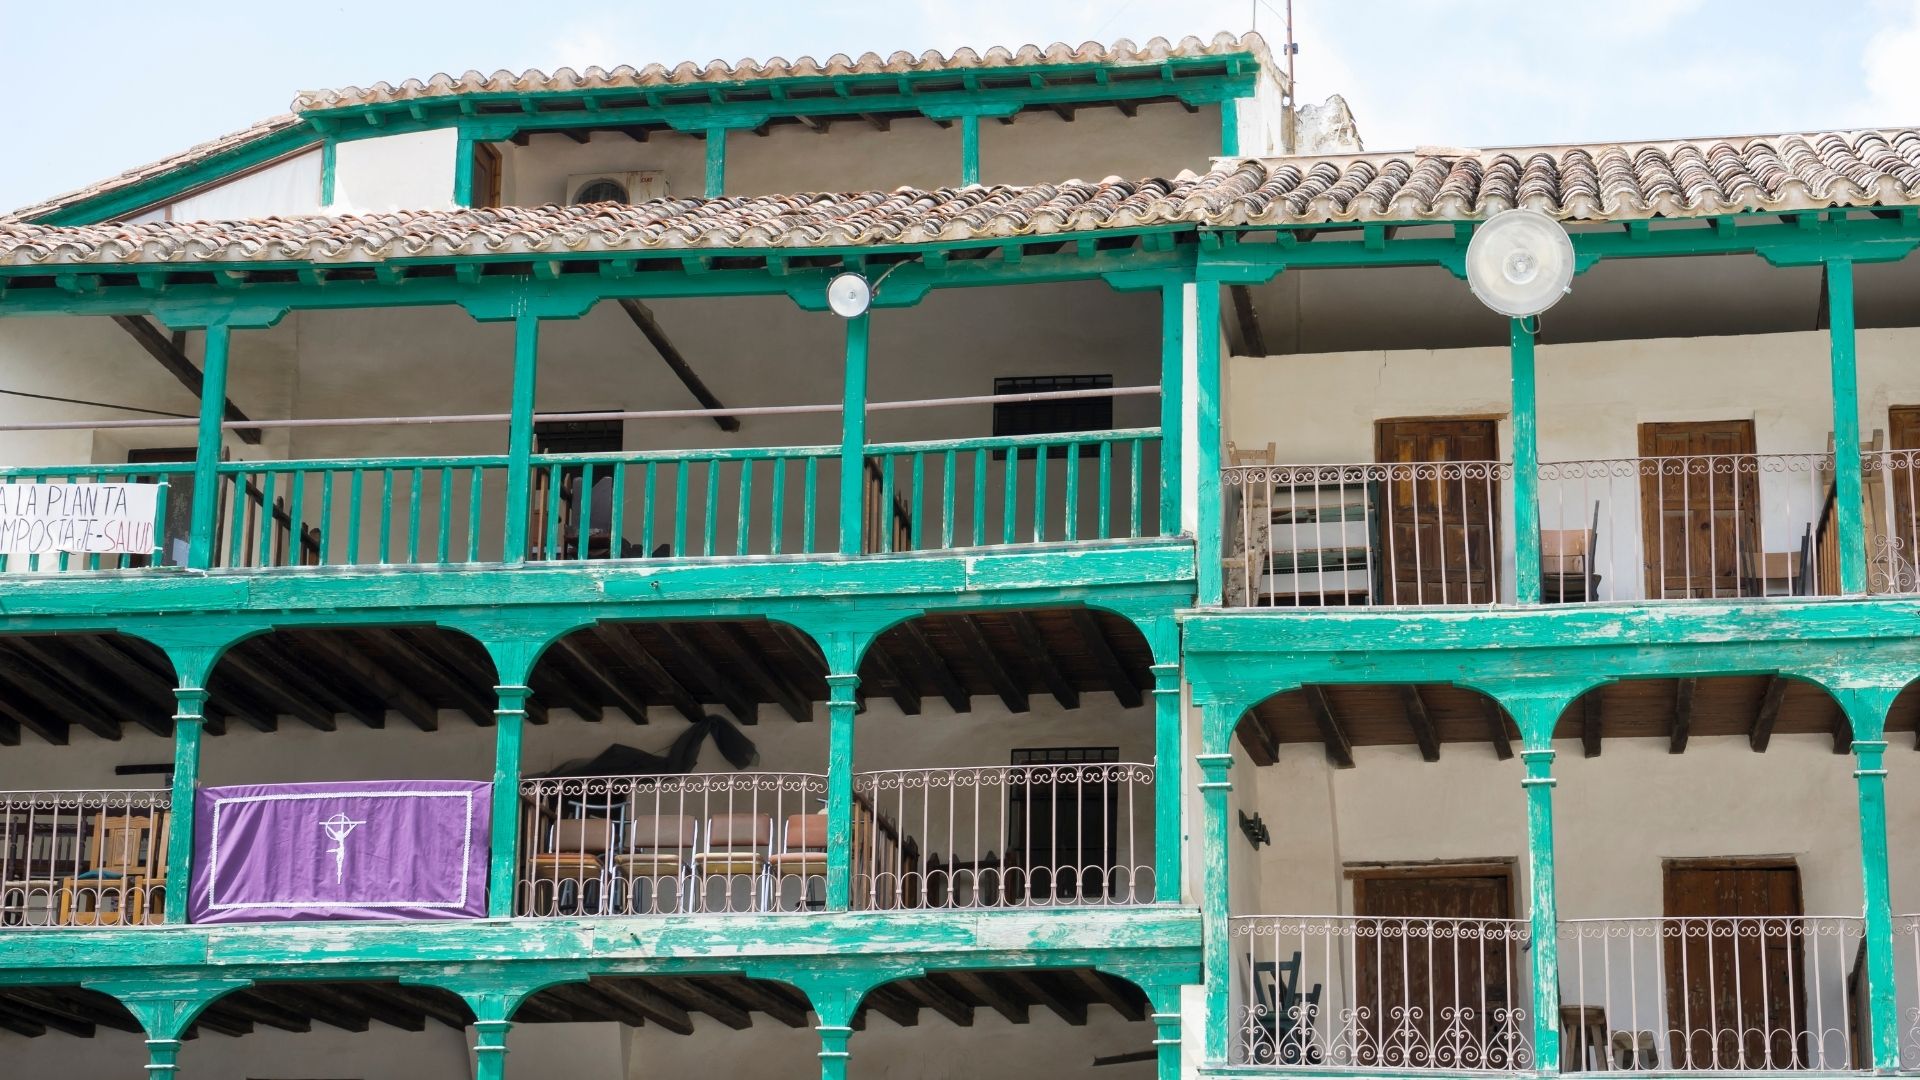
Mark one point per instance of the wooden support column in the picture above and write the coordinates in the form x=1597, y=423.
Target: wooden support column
x=716, y=162
x=1229, y=127
x=1208, y=529
x=1172, y=406
x=842, y=700
x=969, y=149
x=1217, y=722
x=509, y=722
x=1544, y=908
x=463, y=170
x=526, y=355
x=853, y=439
x=1846, y=429
x=329, y=171
x=206, y=456
x=189, y=721
x=490, y=1045
x=1866, y=710
x=1526, y=467
x=1167, y=760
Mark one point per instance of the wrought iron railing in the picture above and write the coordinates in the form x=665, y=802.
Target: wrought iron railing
x=1345, y=992
x=1381, y=534
x=646, y=845
x=1685, y=527
x=1890, y=483
x=1055, y=835
x=1712, y=993
x=83, y=858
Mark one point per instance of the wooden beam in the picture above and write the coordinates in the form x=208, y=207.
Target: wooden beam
x=1592, y=721
x=25, y=1015
x=774, y=686
x=289, y=684
x=1064, y=112
x=1421, y=722
x=174, y=359
x=52, y=729
x=690, y=657
x=54, y=694
x=905, y=692
x=466, y=692
x=555, y=679
x=1682, y=715
x=1251, y=339
x=394, y=691
x=381, y=1003
x=1101, y=650
x=1114, y=993
x=627, y=651
x=636, y=995
x=649, y=327
x=967, y=628
x=1840, y=728
x=249, y=1005
x=770, y=998
x=986, y=986
x=691, y=993
x=1496, y=718
x=583, y=136
x=321, y=1003
x=125, y=670
x=1761, y=733
x=90, y=687
x=598, y=681
x=889, y=1001
x=913, y=641
x=939, y=1000
x=1262, y=748
x=84, y=1006
x=880, y=123
x=579, y=1001
x=1034, y=645
x=1339, y=747
x=435, y=1004
x=1034, y=985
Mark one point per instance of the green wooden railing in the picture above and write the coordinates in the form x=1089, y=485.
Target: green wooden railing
x=730, y=502
x=166, y=475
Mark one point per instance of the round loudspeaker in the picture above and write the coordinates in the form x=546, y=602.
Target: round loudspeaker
x=848, y=295
x=1520, y=263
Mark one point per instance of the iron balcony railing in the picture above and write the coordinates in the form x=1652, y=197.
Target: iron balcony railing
x=1053, y=835
x=1711, y=994
x=1343, y=992
x=83, y=858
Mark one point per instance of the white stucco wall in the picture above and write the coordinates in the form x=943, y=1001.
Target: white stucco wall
x=288, y=187
x=395, y=172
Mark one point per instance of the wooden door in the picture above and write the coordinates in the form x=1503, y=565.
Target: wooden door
x=1903, y=481
x=1735, y=993
x=1700, y=505
x=1427, y=976
x=1439, y=525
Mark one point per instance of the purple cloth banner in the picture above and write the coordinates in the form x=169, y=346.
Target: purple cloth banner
x=382, y=849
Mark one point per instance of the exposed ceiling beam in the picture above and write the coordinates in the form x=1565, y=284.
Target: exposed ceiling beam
x=649, y=327
x=600, y=682
x=1421, y=722
x=391, y=689
x=1262, y=748
x=1101, y=650
x=324, y=1006
x=1683, y=690
x=893, y=1004
x=1592, y=721
x=696, y=996
x=939, y=1000
x=634, y=131
x=581, y=135
x=1252, y=341
x=1339, y=747
x=174, y=359
x=770, y=998
x=87, y=687
x=55, y=695
x=904, y=693
x=924, y=659
x=1496, y=718
x=463, y=688
x=967, y=629
x=1761, y=733
x=1034, y=984
x=880, y=123
x=558, y=678
x=986, y=986
x=693, y=660
x=1034, y=645
x=626, y=650
x=745, y=653
x=1131, y=1006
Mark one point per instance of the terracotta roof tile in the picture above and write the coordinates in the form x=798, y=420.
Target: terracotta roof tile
x=660, y=75
x=1583, y=183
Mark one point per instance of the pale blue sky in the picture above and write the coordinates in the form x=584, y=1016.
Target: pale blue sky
x=97, y=88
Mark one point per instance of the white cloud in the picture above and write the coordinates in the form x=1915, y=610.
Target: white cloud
x=1891, y=77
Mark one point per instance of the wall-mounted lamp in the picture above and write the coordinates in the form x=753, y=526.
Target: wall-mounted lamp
x=1255, y=830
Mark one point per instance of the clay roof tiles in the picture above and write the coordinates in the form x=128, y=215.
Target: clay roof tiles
x=1694, y=178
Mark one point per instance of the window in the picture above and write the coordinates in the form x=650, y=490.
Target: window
x=1048, y=417
x=579, y=436
x=486, y=175
x=578, y=512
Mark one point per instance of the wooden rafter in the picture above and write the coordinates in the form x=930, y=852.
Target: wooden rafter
x=1034, y=646
x=1339, y=747
x=897, y=685
x=596, y=679
x=967, y=629
x=694, y=995
x=891, y=1002
x=935, y=997
x=770, y=998
x=691, y=659
x=330, y=1008
x=1106, y=659
x=174, y=359
x=1496, y=721
x=1035, y=985
x=463, y=688
x=1119, y=996
x=924, y=659
x=1683, y=691
x=1761, y=733
x=1258, y=739
x=1252, y=341
x=1592, y=721
x=71, y=706
x=388, y=687
x=649, y=327
x=626, y=650
x=1421, y=721
x=744, y=653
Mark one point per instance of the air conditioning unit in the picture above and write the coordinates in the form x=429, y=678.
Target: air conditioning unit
x=620, y=187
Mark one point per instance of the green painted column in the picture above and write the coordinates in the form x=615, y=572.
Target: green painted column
x=1217, y=956
x=526, y=364
x=206, y=456
x=1229, y=127
x=509, y=723
x=716, y=162
x=189, y=720
x=165, y=1009
x=1544, y=908
x=1166, y=1044
x=1526, y=467
x=1167, y=785
x=841, y=703
x=1870, y=781
x=463, y=170
x=833, y=1050
x=853, y=438
x=329, y=164
x=835, y=995
x=1172, y=405
x=969, y=149
x=1846, y=429
x=1208, y=527
x=490, y=1047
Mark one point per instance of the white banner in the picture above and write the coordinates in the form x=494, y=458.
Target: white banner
x=104, y=518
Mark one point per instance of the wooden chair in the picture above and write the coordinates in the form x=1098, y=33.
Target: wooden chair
x=1288, y=1016
x=569, y=874
x=1566, y=563
x=803, y=856
x=658, y=852
x=126, y=874
x=737, y=847
x=1584, y=1039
